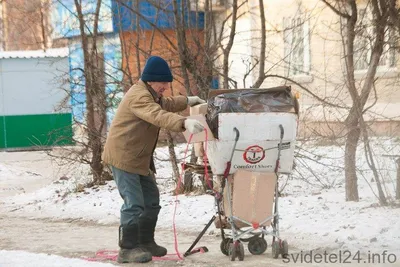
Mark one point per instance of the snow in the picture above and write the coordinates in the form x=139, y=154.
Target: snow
x=313, y=210
x=11, y=258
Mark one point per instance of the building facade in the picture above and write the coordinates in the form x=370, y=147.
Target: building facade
x=25, y=25
x=304, y=49
x=32, y=90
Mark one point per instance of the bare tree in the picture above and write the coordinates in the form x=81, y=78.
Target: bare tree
x=95, y=92
x=197, y=49
x=354, y=120
x=92, y=78
x=200, y=54
x=361, y=93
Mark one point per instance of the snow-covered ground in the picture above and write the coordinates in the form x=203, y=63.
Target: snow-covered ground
x=314, y=213
x=21, y=258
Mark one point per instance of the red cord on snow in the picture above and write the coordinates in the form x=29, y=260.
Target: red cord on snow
x=111, y=255
x=176, y=200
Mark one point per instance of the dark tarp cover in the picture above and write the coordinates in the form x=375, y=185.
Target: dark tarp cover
x=277, y=99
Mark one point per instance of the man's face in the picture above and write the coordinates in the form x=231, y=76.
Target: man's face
x=159, y=87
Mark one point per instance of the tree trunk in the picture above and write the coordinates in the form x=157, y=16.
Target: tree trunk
x=371, y=162
x=95, y=126
x=261, y=70
x=227, y=49
x=350, y=163
x=182, y=45
x=100, y=114
x=174, y=162
x=94, y=89
x=98, y=132
x=91, y=127
x=188, y=180
x=96, y=166
x=398, y=179
x=359, y=100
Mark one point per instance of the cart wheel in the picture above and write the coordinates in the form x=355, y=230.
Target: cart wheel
x=240, y=252
x=257, y=246
x=224, y=246
x=275, y=249
x=232, y=251
x=285, y=249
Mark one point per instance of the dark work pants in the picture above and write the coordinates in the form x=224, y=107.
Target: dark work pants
x=140, y=194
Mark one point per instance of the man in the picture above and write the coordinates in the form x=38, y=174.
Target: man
x=129, y=151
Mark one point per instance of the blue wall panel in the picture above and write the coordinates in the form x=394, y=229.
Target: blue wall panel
x=124, y=16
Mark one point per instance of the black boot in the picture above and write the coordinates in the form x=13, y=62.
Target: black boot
x=129, y=243
x=146, y=237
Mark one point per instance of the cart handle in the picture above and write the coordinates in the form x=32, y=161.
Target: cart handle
x=237, y=133
x=282, y=130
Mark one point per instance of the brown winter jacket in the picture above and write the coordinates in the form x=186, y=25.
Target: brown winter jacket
x=134, y=130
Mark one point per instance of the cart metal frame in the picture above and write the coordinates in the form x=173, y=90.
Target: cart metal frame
x=233, y=246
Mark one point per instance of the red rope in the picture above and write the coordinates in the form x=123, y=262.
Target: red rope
x=112, y=255
x=207, y=177
x=176, y=199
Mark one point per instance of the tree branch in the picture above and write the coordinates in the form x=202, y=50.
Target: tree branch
x=344, y=15
x=305, y=89
x=261, y=72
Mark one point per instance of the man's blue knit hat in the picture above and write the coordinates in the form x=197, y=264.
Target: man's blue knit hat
x=156, y=70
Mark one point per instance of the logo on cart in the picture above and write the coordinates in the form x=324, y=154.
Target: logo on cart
x=254, y=154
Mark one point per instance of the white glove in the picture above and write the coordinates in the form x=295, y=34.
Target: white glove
x=194, y=100
x=193, y=126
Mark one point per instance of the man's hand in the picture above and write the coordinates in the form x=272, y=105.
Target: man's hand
x=193, y=126
x=194, y=100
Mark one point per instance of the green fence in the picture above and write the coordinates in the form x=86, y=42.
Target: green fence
x=23, y=131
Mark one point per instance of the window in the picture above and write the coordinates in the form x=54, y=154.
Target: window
x=364, y=40
x=296, y=46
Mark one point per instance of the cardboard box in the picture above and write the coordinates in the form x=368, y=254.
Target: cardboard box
x=198, y=149
x=198, y=110
x=252, y=197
